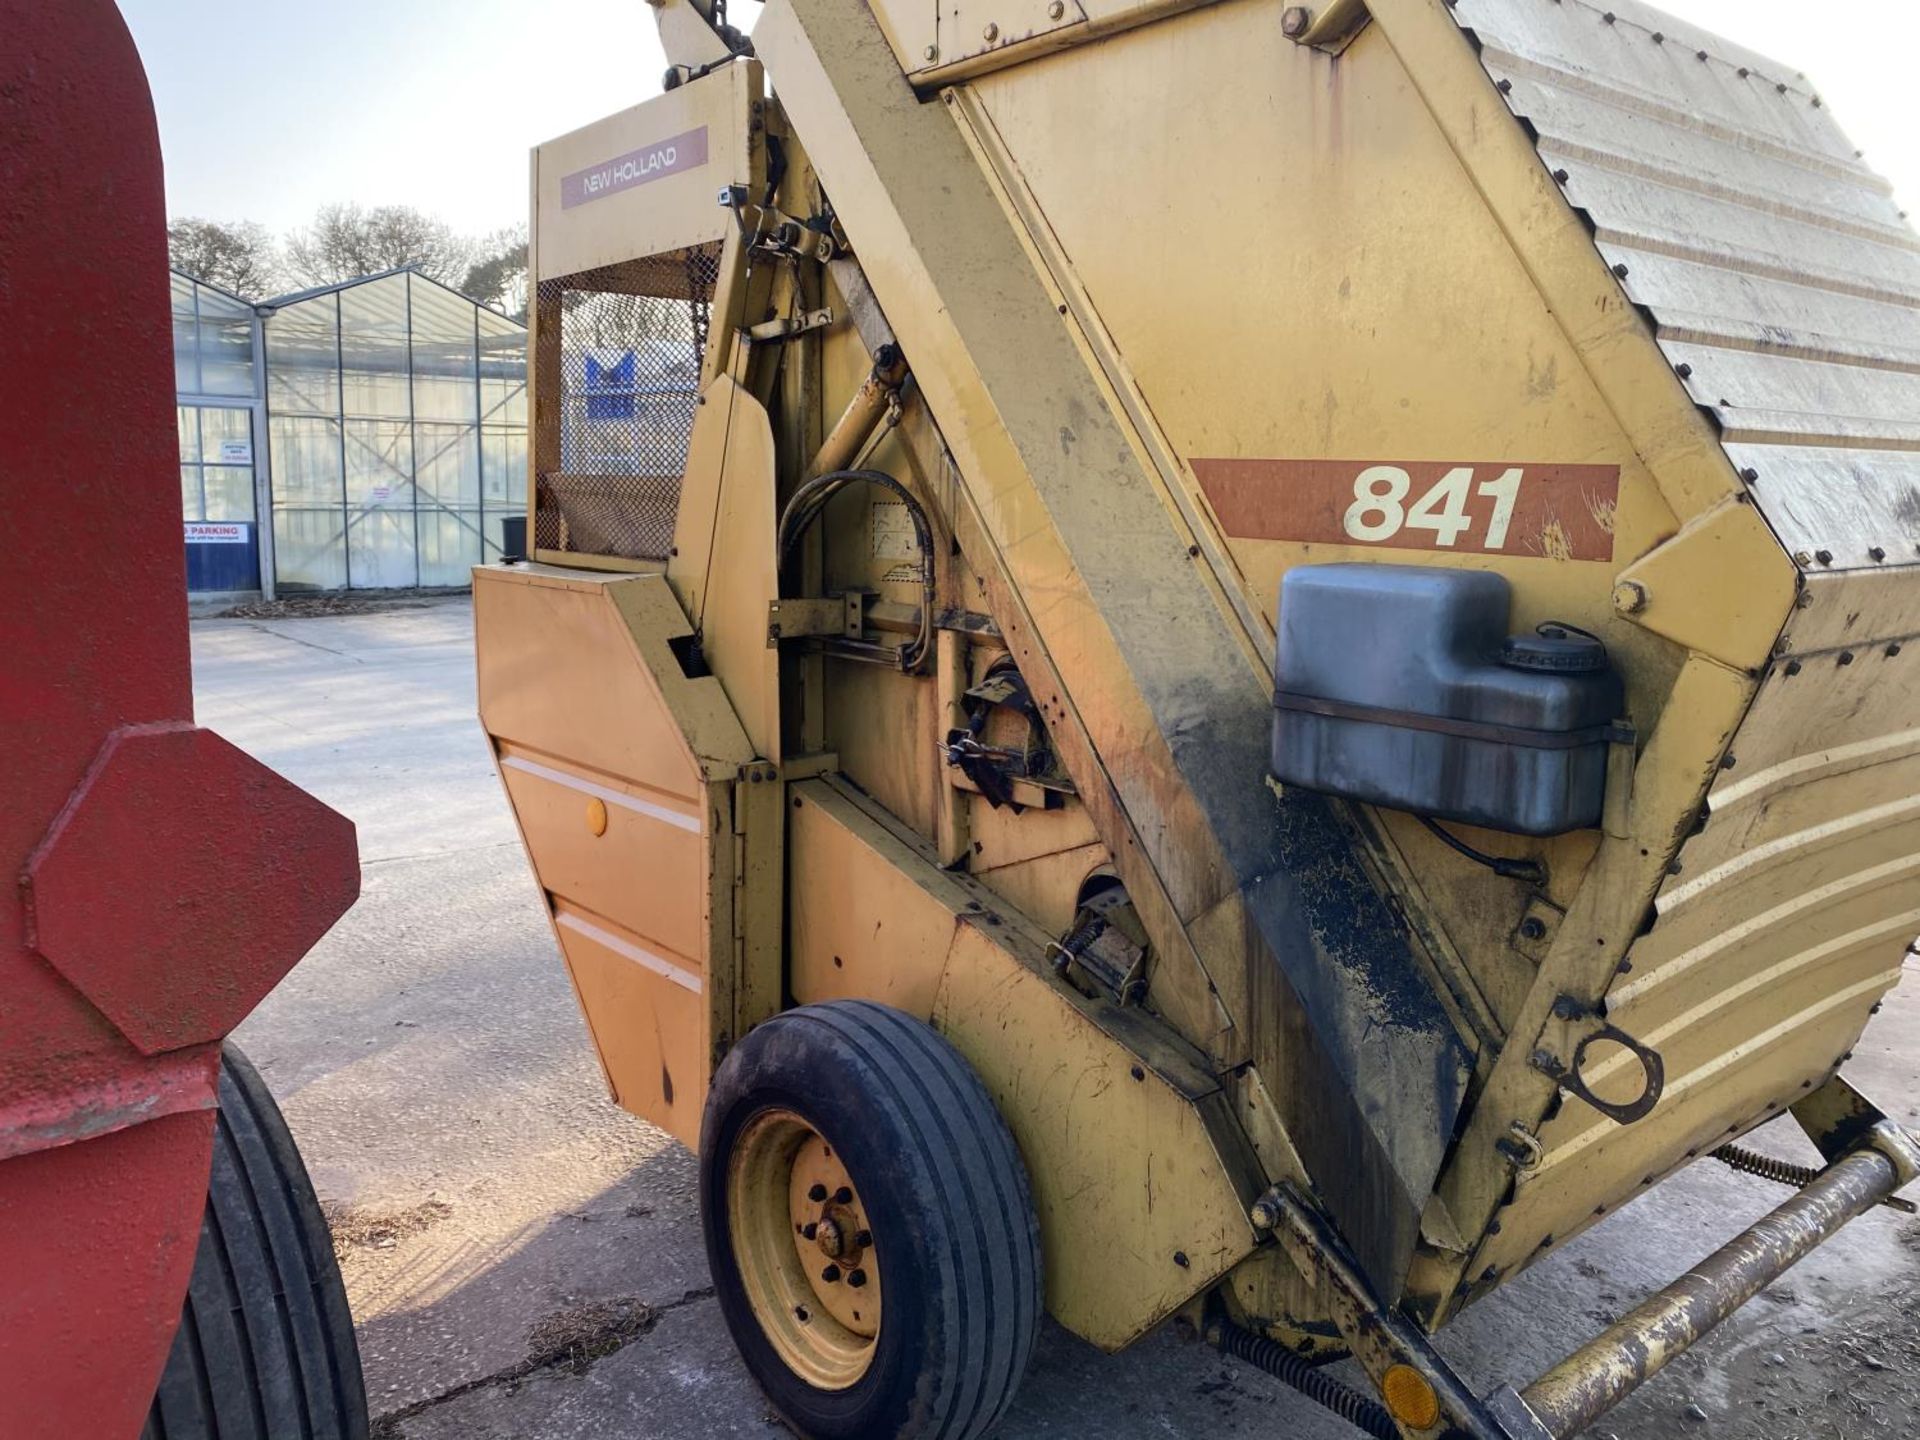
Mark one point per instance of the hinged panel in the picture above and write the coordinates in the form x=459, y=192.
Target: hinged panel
x=625, y=776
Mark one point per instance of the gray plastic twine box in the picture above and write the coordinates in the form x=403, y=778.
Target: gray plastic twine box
x=1400, y=685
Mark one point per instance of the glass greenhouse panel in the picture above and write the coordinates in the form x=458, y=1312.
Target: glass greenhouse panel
x=186, y=358
x=378, y=391
x=379, y=463
x=306, y=461
x=449, y=464
x=216, y=462
x=212, y=341
x=373, y=349
x=380, y=549
x=444, y=359
x=303, y=359
x=226, y=345
x=503, y=371
x=226, y=435
x=229, y=492
x=449, y=546
x=309, y=548
x=504, y=466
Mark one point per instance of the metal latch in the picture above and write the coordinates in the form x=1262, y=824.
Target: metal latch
x=768, y=229
x=1003, y=773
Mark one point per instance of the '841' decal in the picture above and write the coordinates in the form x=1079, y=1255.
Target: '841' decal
x=1559, y=512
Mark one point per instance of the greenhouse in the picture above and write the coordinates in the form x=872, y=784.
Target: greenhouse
x=394, y=412
x=218, y=405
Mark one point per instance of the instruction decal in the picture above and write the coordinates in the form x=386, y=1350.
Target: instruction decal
x=1484, y=507
x=685, y=151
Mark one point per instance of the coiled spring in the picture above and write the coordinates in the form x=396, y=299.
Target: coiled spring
x=1752, y=1162
x=1785, y=1172
x=1361, y=1411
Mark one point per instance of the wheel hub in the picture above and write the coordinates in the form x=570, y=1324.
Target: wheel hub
x=804, y=1249
x=831, y=1234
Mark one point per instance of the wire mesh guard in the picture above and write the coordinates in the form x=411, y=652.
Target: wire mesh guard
x=624, y=359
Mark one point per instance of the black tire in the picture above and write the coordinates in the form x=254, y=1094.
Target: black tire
x=946, y=1198
x=265, y=1349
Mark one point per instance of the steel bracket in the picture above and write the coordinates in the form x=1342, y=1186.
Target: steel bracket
x=1899, y=1145
x=1837, y=1117
x=1331, y=28
x=1380, y=1337
x=1569, y=1078
x=176, y=954
x=841, y=616
x=771, y=230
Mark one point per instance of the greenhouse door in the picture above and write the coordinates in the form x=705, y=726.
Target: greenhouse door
x=217, y=496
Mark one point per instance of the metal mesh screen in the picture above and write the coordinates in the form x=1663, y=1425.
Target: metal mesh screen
x=621, y=348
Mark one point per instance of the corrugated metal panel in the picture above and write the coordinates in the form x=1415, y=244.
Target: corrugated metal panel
x=1774, y=265
x=1788, y=918
x=1784, y=287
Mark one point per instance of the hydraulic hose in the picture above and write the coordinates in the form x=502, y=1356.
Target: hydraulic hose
x=809, y=502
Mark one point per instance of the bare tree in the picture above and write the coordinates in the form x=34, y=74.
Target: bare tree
x=346, y=241
x=498, y=274
x=239, y=257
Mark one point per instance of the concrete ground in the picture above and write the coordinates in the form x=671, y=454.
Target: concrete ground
x=525, y=1259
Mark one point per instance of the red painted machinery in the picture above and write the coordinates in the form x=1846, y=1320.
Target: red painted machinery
x=164, y=880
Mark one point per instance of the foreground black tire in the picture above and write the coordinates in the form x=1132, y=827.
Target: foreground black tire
x=265, y=1349
x=869, y=1227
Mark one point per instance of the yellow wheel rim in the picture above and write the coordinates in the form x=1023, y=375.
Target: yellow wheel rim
x=803, y=1249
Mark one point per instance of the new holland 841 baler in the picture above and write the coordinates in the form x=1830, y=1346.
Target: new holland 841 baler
x=1217, y=660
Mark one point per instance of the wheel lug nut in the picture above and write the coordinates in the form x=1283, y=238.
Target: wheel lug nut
x=857, y=1278
x=843, y=1196
x=817, y=1194
x=810, y=1230
x=832, y=1274
x=863, y=1238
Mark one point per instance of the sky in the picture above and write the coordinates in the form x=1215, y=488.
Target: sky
x=271, y=108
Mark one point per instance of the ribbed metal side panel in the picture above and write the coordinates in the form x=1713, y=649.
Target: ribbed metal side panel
x=1782, y=281
x=1784, y=287
x=1789, y=917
